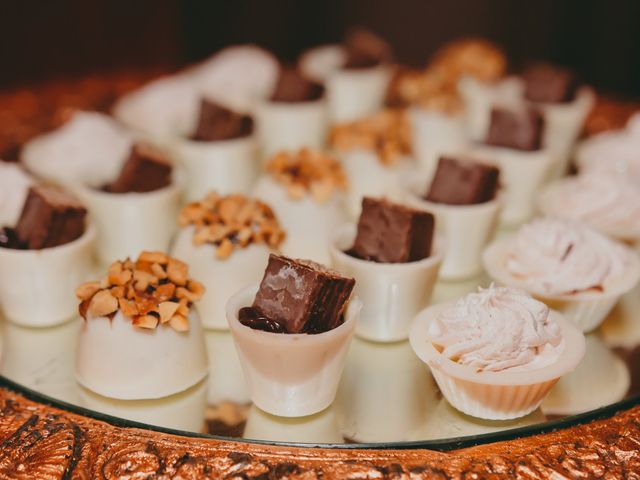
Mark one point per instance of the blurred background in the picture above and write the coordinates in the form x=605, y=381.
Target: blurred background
x=55, y=39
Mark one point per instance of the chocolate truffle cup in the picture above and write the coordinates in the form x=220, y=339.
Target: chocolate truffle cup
x=434, y=134
x=521, y=175
x=465, y=229
x=37, y=286
x=391, y=293
x=291, y=125
x=226, y=166
x=585, y=309
x=291, y=375
x=221, y=277
x=128, y=223
x=307, y=222
x=356, y=93
x=494, y=395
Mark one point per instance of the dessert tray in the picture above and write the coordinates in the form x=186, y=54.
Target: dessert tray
x=388, y=417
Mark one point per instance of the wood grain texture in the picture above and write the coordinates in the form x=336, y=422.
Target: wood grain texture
x=41, y=442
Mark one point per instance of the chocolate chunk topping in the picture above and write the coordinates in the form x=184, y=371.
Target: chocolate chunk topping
x=145, y=170
x=549, y=84
x=365, y=50
x=392, y=233
x=219, y=123
x=520, y=130
x=292, y=87
x=463, y=182
x=50, y=217
x=299, y=296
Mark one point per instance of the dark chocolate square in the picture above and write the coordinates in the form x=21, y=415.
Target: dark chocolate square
x=463, y=182
x=146, y=170
x=392, y=233
x=549, y=84
x=293, y=87
x=520, y=130
x=50, y=217
x=217, y=123
x=302, y=296
x=365, y=49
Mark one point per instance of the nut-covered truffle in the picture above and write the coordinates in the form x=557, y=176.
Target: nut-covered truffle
x=307, y=171
x=154, y=290
x=231, y=222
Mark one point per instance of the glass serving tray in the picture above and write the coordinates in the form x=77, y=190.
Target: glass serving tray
x=386, y=395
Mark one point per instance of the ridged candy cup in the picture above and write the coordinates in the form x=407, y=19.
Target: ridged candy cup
x=521, y=175
x=434, y=134
x=563, y=124
x=291, y=375
x=391, y=293
x=117, y=360
x=587, y=309
x=356, y=93
x=129, y=223
x=368, y=176
x=308, y=223
x=494, y=395
x=466, y=230
x=292, y=125
x=221, y=277
x=37, y=286
x=226, y=166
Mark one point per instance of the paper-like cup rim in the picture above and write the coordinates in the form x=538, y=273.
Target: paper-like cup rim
x=493, y=262
x=244, y=298
x=571, y=355
x=87, y=236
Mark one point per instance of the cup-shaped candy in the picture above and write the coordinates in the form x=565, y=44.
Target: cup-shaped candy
x=291, y=375
x=391, y=293
x=225, y=166
x=50, y=276
x=356, y=93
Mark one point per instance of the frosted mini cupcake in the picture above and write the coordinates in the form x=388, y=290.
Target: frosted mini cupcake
x=375, y=152
x=305, y=189
x=569, y=266
x=496, y=354
x=225, y=241
x=607, y=202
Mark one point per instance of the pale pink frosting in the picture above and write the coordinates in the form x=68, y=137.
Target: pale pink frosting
x=558, y=257
x=498, y=329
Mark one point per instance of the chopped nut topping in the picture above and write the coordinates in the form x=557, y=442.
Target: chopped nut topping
x=154, y=290
x=228, y=222
x=307, y=171
x=387, y=133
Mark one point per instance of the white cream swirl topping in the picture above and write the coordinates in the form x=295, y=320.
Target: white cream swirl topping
x=557, y=257
x=609, y=203
x=498, y=329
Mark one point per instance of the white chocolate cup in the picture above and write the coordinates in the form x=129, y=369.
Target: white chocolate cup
x=37, y=287
x=291, y=375
x=356, y=93
x=308, y=224
x=117, y=360
x=587, y=309
x=182, y=411
x=321, y=427
x=221, y=277
x=466, y=230
x=290, y=126
x=521, y=175
x=434, y=134
x=602, y=378
x=384, y=395
x=226, y=381
x=368, y=176
x=226, y=166
x=391, y=293
x=128, y=223
x=494, y=395
x=563, y=124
